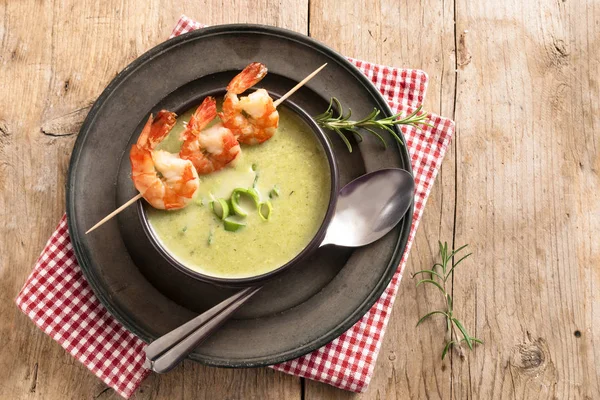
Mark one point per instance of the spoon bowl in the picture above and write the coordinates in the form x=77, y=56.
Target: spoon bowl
x=369, y=207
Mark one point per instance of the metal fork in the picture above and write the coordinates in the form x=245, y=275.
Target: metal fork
x=166, y=352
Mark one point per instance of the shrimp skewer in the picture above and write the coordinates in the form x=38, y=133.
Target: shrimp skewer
x=138, y=196
x=174, y=188
x=211, y=149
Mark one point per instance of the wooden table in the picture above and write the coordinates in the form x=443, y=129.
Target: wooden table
x=520, y=184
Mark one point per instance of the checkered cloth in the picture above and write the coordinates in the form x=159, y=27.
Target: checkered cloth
x=60, y=302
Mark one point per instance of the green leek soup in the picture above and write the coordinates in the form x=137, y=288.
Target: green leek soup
x=294, y=163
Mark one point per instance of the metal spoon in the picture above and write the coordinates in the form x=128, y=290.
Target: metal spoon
x=367, y=209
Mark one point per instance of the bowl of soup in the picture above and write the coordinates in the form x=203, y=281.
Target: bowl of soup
x=292, y=183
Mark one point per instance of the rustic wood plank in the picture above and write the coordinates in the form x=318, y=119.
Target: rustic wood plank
x=56, y=58
x=526, y=108
x=527, y=105
x=410, y=35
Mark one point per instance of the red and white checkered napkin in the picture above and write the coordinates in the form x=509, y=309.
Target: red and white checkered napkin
x=59, y=300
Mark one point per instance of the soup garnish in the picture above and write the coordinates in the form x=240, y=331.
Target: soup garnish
x=253, y=119
x=342, y=124
x=208, y=149
x=169, y=181
x=166, y=181
x=222, y=208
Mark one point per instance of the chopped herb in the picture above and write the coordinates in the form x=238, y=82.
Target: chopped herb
x=255, y=169
x=236, y=196
x=255, y=180
x=231, y=212
x=254, y=194
x=292, y=192
x=184, y=229
x=220, y=207
x=232, y=225
x=210, y=237
x=264, y=210
x=274, y=192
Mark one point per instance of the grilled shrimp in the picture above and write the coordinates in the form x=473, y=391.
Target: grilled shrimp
x=211, y=149
x=164, y=180
x=253, y=119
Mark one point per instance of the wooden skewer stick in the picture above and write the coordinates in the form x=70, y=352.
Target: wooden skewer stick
x=118, y=210
x=298, y=86
x=275, y=103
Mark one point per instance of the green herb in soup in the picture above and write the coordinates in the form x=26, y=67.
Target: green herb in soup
x=289, y=174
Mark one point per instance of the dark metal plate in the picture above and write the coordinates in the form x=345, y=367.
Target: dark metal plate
x=301, y=310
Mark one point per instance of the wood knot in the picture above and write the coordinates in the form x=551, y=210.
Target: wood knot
x=560, y=48
x=34, y=377
x=557, y=52
x=4, y=128
x=531, y=357
x=67, y=124
x=558, y=96
x=463, y=54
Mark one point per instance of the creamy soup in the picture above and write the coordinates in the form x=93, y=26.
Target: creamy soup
x=293, y=163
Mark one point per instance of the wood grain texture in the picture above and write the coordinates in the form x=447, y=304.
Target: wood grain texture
x=520, y=184
x=528, y=198
x=410, y=35
x=56, y=58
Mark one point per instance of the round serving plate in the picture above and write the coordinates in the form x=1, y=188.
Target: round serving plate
x=298, y=311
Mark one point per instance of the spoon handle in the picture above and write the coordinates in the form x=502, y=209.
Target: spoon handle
x=166, y=352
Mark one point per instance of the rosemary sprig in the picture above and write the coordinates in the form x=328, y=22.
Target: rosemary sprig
x=342, y=124
x=437, y=276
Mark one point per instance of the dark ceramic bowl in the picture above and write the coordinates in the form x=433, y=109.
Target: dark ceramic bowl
x=310, y=247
